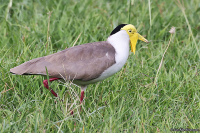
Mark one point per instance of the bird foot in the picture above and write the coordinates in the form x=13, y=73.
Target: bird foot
x=46, y=85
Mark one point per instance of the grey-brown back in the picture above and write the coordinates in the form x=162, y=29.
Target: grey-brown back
x=83, y=62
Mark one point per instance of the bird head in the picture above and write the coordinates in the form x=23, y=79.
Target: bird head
x=133, y=35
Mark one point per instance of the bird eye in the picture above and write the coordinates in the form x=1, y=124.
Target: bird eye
x=129, y=31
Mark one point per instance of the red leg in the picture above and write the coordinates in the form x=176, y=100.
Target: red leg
x=45, y=82
x=72, y=112
x=82, y=96
x=83, y=88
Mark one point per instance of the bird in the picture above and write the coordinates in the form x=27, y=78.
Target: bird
x=87, y=63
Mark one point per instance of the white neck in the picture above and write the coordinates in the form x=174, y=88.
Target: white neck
x=120, y=41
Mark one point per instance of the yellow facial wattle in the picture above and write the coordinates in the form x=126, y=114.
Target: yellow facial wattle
x=133, y=41
x=134, y=36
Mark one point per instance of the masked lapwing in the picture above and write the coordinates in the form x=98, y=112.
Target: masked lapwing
x=87, y=63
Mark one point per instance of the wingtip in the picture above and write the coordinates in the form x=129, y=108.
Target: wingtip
x=14, y=71
x=11, y=71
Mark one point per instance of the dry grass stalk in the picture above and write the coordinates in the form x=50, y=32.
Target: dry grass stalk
x=172, y=31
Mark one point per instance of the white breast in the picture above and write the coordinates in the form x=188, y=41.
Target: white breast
x=120, y=41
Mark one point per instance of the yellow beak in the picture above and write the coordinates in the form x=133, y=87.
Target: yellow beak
x=133, y=40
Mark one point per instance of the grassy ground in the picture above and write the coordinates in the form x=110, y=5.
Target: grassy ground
x=131, y=100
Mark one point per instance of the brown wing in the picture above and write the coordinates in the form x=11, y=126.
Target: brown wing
x=83, y=62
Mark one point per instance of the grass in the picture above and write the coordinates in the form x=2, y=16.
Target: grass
x=126, y=102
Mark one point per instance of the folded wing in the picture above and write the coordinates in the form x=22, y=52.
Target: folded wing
x=83, y=62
